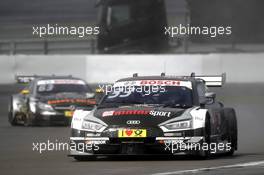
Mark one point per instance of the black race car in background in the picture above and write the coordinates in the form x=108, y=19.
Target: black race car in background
x=49, y=100
x=156, y=115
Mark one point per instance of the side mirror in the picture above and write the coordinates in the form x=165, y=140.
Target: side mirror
x=208, y=99
x=25, y=92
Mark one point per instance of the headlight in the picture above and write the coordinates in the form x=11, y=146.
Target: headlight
x=178, y=125
x=92, y=126
x=45, y=107
x=32, y=106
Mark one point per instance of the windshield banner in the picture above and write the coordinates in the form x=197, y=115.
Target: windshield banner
x=187, y=84
x=61, y=81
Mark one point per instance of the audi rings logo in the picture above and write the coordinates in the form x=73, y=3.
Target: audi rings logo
x=133, y=122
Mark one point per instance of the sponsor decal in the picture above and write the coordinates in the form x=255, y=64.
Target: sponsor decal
x=61, y=81
x=77, y=119
x=68, y=113
x=130, y=83
x=84, y=101
x=133, y=122
x=198, y=118
x=108, y=113
x=127, y=133
x=131, y=112
x=160, y=82
x=125, y=112
x=136, y=112
x=160, y=113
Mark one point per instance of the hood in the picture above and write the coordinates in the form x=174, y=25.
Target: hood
x=148, y=116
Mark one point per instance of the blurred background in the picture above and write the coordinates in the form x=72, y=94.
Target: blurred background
x=239, y=55
x=17, y=18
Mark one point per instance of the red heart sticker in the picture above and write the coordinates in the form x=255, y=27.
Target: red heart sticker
x=129, y=132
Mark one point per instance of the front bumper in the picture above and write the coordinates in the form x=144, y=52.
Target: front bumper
x=45, y=117
x=85, y=146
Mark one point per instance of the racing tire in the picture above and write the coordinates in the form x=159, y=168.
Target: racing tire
x=68, y=122
x=28, y=120
x=232, y=129
x=13, y=122
x=205, y=154
x=11, y=117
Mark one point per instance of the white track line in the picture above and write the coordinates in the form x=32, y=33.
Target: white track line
x=240, y=165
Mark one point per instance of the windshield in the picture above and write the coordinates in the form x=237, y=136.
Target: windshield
x=119, y=14
x=53, y=87
x=173, y=96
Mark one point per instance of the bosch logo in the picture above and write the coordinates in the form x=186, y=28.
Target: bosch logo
x=133, y=122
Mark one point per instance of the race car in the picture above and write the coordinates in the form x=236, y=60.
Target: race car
x=146, y=115
x=48, y=100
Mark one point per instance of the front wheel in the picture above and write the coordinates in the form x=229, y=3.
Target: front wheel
x=28, y=119
x=232, y=129
x=12, y=119
x=205, y=154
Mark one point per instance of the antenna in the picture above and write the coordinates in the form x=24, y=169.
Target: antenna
x=165, y=66
x=193, y=74
x=135, y=75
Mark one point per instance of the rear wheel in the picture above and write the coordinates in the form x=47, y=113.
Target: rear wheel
x=232, y=129
x=207, y=139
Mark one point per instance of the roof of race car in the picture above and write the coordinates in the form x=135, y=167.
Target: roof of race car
x=56, y=77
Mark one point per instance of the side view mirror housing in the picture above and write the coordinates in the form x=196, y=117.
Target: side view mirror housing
x=208, y=99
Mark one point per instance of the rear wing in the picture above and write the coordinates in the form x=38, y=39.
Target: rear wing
x=25, y=79
x=212, y=80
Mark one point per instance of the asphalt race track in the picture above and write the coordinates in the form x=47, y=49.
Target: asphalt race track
x=17, y=155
